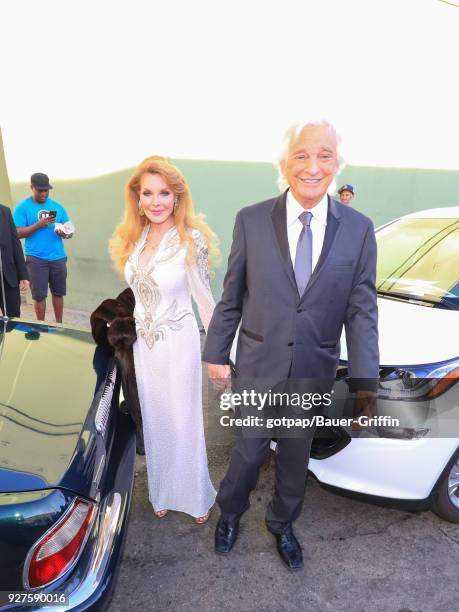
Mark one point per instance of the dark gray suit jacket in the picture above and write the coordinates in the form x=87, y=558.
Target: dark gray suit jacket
x=14, y=267
x=280, y=328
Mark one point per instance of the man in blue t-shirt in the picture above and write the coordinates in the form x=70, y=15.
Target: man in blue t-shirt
x=35, y=219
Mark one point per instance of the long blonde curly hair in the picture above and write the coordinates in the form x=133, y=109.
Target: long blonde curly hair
x=128, y=231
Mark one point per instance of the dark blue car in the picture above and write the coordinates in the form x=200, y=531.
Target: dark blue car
x=67, y=458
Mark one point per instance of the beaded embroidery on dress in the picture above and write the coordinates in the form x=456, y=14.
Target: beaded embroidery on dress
x=167, y=359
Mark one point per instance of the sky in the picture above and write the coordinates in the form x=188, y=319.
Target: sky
x=90, y=87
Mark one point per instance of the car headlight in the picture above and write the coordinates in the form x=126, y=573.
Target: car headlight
x=418, y=383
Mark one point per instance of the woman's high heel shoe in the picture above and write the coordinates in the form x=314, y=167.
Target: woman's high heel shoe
x=161, y=513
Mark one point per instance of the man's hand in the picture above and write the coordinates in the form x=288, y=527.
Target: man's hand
x=45, y=221
x=219, y=375
x=364, y=406
x=23, y=285
x=25, y=232
x=62, y=234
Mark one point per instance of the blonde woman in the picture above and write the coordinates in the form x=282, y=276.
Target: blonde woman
x=162, y=248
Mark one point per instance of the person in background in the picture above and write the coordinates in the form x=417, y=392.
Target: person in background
x=13, y=271
x=346, y=194
x=41, y=221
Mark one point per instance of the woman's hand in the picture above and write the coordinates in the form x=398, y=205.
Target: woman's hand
x=219, y=375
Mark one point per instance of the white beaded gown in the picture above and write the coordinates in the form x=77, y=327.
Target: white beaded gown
x=167, y=359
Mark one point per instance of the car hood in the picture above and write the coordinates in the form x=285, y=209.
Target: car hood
x=47, y=384
x=412, y=334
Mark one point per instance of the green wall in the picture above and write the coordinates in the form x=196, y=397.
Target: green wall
x=386, y=193
x=219, y=190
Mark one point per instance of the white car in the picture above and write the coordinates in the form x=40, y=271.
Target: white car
x=414, y=465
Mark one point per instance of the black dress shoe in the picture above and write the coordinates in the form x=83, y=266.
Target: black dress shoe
x=225, y=535
x=290, y=550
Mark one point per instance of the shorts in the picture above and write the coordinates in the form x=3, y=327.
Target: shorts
x=43, y=272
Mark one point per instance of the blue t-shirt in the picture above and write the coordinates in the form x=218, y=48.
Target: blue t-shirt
x=44, y=243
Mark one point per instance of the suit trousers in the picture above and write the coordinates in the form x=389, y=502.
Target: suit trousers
x=291, y=465
x=292, y=458
x=12, y=300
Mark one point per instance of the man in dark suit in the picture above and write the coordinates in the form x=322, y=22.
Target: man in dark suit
x=301, y=266
x=13, y=265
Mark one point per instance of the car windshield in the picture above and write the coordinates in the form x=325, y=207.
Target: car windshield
x=418, y=259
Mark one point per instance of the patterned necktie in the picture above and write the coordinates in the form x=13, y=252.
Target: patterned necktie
x=303, y=257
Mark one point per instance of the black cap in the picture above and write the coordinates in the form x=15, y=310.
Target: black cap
x=40, y=181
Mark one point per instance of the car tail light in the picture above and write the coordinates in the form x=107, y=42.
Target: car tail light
x=59, y=548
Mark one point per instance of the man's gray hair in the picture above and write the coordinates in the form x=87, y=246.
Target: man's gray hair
x=292, y=132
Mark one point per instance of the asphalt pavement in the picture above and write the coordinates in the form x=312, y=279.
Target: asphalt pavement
x=357, y=557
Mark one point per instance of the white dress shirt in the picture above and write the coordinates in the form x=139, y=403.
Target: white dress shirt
x=318, y=226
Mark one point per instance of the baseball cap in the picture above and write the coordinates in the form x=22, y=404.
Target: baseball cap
x=40, y=181
x=346, y=188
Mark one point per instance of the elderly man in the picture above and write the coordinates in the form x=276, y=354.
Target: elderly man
x=301, y=266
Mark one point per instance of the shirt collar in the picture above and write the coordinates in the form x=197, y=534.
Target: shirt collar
x=294, y=209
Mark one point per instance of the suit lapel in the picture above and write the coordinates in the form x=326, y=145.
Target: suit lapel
x=279, y=221
x=333, y=221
